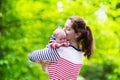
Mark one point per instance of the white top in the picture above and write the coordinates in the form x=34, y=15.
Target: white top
x=70, y=54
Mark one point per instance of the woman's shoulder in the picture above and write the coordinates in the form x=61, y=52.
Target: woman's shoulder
x=70, y=54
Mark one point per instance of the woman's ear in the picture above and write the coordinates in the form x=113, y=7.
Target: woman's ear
x=78, y=34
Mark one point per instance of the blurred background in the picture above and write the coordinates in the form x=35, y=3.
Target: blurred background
x=26, y=25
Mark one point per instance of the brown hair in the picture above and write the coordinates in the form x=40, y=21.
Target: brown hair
x=85, y=40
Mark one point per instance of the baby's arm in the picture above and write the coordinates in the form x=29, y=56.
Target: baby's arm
x=54, y=44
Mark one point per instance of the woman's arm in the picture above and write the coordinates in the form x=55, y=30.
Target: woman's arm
x=46, y=54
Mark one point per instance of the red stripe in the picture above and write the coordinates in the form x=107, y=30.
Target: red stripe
x=64, y=69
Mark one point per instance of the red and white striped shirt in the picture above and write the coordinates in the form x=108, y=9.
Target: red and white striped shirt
x=69, y=71
x=66, y=62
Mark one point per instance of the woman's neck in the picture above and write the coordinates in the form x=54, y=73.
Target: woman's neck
x=74, y=44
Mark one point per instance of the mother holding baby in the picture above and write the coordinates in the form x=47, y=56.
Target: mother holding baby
x=66, y=62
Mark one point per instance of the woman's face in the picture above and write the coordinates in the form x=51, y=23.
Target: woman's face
x=70, y=33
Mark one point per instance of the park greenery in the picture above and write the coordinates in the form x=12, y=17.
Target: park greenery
x=26, y=25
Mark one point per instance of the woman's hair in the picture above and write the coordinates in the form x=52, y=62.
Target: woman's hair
x=85, y=40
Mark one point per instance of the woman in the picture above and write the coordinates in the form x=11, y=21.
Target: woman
x=66, y=62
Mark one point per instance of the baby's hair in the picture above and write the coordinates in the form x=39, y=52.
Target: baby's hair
x=59, y=31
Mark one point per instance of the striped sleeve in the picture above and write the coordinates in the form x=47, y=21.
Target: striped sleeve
x=46, y=54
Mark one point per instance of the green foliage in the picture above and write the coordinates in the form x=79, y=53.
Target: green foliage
x=26, y=25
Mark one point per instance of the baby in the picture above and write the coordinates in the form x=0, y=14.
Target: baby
x=59, y=40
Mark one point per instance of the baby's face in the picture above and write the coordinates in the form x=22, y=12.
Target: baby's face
x=61, y=39
x=60, y=35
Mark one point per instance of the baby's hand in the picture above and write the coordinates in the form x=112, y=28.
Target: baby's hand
x=43, y=62
x=64, y=44
x=39, y=62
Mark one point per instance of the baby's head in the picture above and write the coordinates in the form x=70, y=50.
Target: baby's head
x=60, y=35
